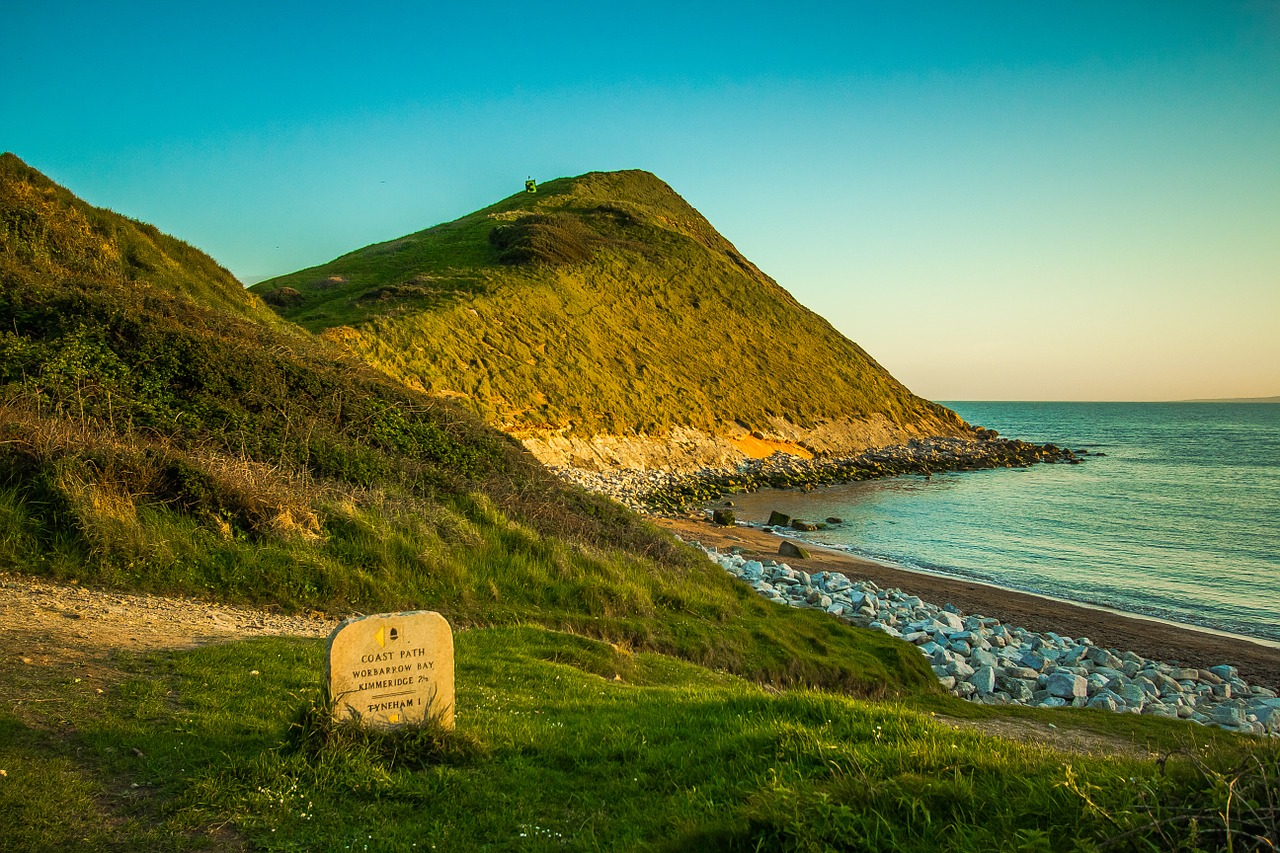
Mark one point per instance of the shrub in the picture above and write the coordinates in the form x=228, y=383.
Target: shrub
x=284, y=297
x=550, y=239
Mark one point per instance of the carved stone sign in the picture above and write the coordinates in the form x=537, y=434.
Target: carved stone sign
x=392, y=668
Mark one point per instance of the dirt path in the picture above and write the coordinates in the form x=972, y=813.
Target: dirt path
x=70, y=614
x=56, y=634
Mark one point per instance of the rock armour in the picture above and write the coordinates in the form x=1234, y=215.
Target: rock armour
x=665, y=491
x=982, y=660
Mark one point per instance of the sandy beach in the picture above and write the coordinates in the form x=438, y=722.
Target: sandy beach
x=1150, y=638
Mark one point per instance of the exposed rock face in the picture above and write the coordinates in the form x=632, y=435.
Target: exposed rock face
x=688, y=450
x=663, y=490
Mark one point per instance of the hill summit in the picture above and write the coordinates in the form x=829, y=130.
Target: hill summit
x=605, y=322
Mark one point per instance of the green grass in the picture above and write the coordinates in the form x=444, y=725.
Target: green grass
x=47, y=232
x=605, y=303
x=562, y=743
x=477, y=567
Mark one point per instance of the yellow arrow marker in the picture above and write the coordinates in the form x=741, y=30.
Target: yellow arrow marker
x=381, y=637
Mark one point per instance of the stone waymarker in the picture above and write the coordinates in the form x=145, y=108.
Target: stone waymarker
x=390, y=669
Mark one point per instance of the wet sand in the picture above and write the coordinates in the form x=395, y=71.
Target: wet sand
x=1258, y=664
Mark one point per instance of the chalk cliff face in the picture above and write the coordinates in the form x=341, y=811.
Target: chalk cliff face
x=605, y=322
x=685, y=449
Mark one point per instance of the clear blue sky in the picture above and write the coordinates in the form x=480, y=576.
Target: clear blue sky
x=1022, y=200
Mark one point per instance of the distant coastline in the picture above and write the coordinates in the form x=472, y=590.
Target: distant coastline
x=1236, y=400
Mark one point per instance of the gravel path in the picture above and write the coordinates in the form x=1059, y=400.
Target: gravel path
x=64, y=634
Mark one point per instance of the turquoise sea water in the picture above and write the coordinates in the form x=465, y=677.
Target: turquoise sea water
x=1179, y=520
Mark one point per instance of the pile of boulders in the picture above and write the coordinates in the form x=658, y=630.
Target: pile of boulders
x=674, y=491
x=980, y=659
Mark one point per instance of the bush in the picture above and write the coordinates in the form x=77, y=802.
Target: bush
x=284, y=297
x=550, y=239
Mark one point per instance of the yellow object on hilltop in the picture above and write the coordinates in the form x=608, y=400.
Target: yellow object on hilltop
x=530, y=185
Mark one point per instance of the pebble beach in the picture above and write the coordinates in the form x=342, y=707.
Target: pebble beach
x=999, y=647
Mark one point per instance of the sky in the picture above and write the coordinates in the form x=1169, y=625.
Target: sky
x=999, y=201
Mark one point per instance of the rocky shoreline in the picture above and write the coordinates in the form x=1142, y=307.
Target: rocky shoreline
x=980, y=659
x=975, y=657
x=665, y=492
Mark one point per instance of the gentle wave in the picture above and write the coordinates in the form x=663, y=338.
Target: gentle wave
x=1177, y=521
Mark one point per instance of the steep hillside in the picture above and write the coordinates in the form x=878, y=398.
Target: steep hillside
x=598, y=314
x=152, y=440
x=48, y=233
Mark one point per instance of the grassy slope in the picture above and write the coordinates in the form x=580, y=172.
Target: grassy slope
x=46, y=232
x=634, y=315
x=196, y=749
x=154, y=442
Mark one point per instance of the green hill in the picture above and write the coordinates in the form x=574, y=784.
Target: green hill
x=603, y=304
x=155, y=435
x=47, y=233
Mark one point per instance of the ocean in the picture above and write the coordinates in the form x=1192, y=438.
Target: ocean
x=1180, y=519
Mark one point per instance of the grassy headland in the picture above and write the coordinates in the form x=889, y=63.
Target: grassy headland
x=48, y=234
x=603, y=304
